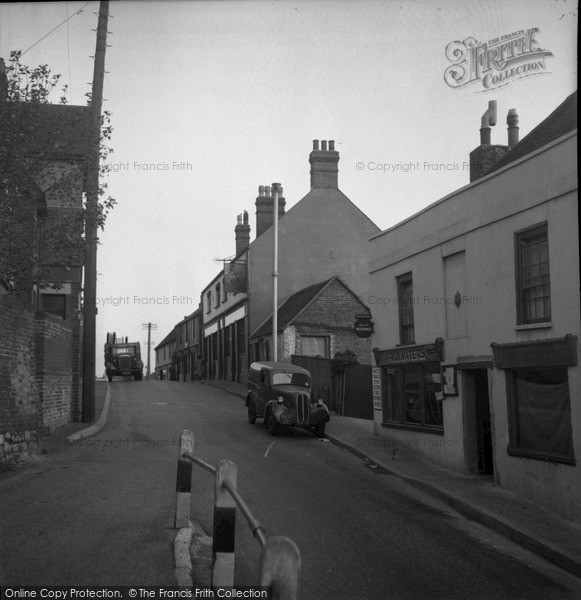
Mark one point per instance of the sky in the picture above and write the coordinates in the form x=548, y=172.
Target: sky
x=210, y=99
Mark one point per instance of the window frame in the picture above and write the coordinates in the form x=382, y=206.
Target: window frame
x=327, y=341
x=62, y=312
x=520, y=237
x=403, y=280
x=400, y=409
x=513, y=449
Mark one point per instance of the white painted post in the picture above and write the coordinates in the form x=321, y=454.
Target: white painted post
x=224, y=526
x=184, y=481
x=280, y=565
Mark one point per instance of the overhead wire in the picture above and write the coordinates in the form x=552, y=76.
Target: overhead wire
x=55, y=28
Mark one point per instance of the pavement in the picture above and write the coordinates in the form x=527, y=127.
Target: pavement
x=540, y=531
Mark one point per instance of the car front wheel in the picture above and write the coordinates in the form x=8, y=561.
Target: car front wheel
x=271, y=424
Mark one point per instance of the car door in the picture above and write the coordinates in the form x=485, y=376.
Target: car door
x=262, y=391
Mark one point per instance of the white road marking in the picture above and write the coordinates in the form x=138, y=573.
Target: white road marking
x=268, y=449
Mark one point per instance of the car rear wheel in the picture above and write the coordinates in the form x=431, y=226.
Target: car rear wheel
x=251, y=412
x=271, y=424
x=320, y=430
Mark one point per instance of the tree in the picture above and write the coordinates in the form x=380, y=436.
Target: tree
x=43, y=163
x=342, y=360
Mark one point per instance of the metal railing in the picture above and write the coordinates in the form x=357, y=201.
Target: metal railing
x=280, y=557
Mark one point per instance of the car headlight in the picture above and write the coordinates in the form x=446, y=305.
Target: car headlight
x=280, y=399
x=320, y=402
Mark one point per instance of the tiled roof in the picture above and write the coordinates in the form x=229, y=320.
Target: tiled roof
x=561, y=121
x=168, y=338
x=291, y=307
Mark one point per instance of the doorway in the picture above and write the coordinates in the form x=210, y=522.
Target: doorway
x=477, y=425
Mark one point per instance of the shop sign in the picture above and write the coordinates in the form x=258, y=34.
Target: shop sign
x=410, y=354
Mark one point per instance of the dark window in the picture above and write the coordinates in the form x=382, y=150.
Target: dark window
x=406, y=309
x=209, y=301
x=540, y=414
x=218, y=297
x=411, y=395
x=532, y=274
x=55, y=304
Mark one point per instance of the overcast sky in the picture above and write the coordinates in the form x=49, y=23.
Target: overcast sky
x=221, y=97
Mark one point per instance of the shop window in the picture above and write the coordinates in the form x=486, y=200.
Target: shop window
x=406, y=309
x=540, y=414
x=315, y=345
x=411, y=395
x=532, y=275
x=54, y=304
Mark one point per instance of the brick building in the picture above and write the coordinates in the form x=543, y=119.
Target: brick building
x=165, y=361
x=316, y=321
x=187, y=354
x=42, y=153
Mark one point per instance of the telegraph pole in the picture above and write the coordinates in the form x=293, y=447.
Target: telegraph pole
x=92, y=207
x=275, y=187
x=149, y=327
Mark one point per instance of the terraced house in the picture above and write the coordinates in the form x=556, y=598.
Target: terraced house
x=477, y=337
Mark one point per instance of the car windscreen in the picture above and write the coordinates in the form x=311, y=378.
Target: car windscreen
x=291, y=379
x=123, y=350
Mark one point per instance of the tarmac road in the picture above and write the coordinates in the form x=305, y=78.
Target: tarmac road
x=100, y=511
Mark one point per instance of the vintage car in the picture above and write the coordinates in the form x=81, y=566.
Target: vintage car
x=280, y=394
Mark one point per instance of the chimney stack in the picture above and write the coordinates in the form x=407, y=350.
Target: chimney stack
x=242, y=231
x=324, y=165
x=512, y=122
x=265, y=208
x=3, y=82
x=483, y=158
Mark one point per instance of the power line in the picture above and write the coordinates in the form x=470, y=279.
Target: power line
x=69, y=54
x=55, y=28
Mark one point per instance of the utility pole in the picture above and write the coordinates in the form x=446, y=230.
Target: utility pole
x=92, y=207
x=275, y=187
x=149, y=327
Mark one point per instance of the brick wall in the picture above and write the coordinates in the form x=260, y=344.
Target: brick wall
x=53, y=341
x=20, y=412
x=333, y=313
x=36, y=381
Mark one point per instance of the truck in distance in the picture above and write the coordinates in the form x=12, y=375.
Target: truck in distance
x=122, y=358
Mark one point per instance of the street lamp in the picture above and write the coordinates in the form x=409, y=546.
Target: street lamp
x=275, y=188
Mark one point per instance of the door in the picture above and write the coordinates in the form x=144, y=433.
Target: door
x=477, y=424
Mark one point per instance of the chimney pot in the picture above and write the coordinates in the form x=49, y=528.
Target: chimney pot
x=242, y=233
x=267, y=190
x=261, y=190
x=315, y=144
x=324, y=166
x=512, y=122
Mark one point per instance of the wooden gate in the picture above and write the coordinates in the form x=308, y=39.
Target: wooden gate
x=357, y=392
x=349, y=394
x=321, y=378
